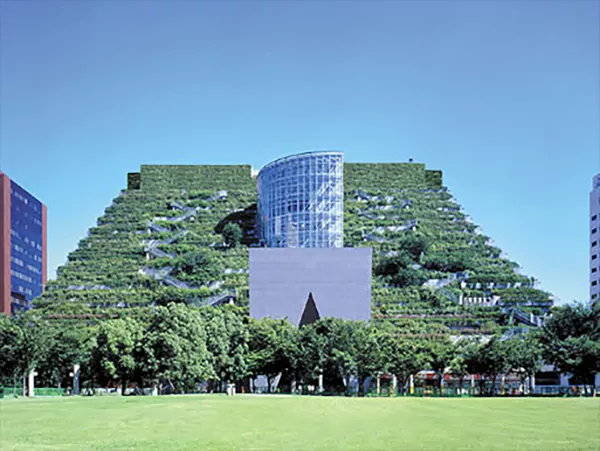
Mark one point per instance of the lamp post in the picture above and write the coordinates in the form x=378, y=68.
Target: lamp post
x=31, y=383
x=75, y=376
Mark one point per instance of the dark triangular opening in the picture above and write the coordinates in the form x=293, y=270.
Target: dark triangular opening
x=310, y=314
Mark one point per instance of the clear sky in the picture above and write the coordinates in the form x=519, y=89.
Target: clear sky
x=503, y=96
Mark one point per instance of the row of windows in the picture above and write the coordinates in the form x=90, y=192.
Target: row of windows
x=25, y=200
x=32, y=262
x=27, y=291
x=38, y=246
x=22, y=249
x=33, y=269
x=300, y=201
x=19, y=196
x=25, y=216
x=17, y=261
x=21, y=276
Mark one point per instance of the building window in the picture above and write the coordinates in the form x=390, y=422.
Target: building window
x=594, y=230
x=594, y=283
x=594, y=217
x=594, y=243
x=594, y=269
x=594, y=257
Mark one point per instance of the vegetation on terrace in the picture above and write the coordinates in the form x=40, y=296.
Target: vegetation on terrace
x=418, y=232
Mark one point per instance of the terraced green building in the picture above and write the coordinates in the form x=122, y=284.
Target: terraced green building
x=166, y=239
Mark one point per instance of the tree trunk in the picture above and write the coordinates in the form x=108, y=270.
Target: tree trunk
x=402, y=385
x=123, y=385
x=531, y=384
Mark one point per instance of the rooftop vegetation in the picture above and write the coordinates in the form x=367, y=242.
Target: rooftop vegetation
x=180, y=225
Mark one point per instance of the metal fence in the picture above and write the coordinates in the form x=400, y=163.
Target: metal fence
x=9, y=392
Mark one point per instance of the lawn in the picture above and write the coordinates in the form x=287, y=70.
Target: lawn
x=307, y=423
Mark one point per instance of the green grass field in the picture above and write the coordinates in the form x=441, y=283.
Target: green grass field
x=308, y=423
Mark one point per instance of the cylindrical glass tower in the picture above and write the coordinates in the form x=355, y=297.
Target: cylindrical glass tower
x=301, y=201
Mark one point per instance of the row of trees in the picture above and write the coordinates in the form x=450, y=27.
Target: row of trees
x=179, y=345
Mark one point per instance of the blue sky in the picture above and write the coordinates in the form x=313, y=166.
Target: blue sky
x=502, y=96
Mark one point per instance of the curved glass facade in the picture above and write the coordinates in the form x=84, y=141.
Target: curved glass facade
x=301, y=201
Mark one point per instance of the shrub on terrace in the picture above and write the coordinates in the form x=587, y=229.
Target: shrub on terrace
x=449, y=262
x=198, y=267
x=232, y=234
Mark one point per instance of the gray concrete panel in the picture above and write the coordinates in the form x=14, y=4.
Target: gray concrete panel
x=281, y=280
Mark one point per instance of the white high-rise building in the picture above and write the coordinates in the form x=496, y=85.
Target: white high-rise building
x=595, y=240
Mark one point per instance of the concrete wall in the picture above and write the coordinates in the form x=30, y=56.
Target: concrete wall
x=339, y=279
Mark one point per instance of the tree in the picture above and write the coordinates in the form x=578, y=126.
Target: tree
x=232, y=234
x=439, y=355
x=525, y=356
x=174, y=348
x=496, y=359
x=272, y=348
x=571, y=341
x=398, y=269
x=198, y=266
x=449, y=262
x=226, y=342
x=458, y=369
x=459, y=365
x=402, y=357
x=312, y=354
x=27, y=342
x=408, y=277
x=114, y=351
x=391, y=265
x=370, y=359
x=10, y=336
x=488, y=360
x=68, y=346
x=350, y=350
x=415, y=244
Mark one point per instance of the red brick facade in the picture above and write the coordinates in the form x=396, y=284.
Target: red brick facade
x=4, y=244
